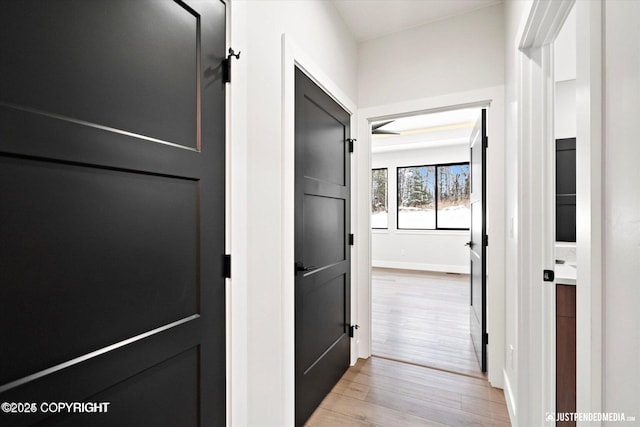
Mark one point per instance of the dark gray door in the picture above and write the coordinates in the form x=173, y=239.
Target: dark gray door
x=112, y=211
x=566, y=190
x=322, y=199
x=478, y=243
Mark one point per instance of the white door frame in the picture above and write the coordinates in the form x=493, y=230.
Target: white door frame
x=589, y=220
x=495, y=212
x=292, y=56
x=536, y=210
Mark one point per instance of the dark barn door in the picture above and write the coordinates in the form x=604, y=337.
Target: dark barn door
x=322, y=201
x=478, y=243
x=112, y=211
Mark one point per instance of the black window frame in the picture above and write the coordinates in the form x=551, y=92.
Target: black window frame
x=386, y=202
x=436, y=194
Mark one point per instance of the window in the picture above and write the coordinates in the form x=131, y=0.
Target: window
x=434, y=197
x=453, y=196
x=416, y=201
x=379, y=210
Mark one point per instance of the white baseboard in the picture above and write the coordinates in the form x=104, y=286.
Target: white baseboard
x=462, y=269
x=508, y=395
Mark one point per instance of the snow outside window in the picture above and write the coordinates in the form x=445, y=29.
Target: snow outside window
x=379, y=209
x=434, y=197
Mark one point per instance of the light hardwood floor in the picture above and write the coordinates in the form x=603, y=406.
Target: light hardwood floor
x=423, y=318
x=382, y=392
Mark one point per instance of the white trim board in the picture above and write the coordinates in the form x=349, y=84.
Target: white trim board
x=536, y=319
x=589, y=220
x=236, y=296
x=508, y=395
x=496, y=227
x=292, y=56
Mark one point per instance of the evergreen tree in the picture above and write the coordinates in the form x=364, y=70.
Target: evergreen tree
x=456, y=193
x=404, y=186
x=379, y=190
x=417, y=191
x=442, y=184
x=467, y=182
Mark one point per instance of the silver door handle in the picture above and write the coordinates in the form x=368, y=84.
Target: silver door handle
x=300, y=268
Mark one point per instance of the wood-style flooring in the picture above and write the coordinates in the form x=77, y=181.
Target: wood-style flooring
x=382, y=392
x=423, y=318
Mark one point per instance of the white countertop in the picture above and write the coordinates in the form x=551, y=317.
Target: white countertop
x=566, y=273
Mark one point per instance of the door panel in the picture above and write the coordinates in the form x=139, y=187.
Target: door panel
x=112, y=214
x=86, y=54
x=166, y=392
x=324, y=225
x=478, y=242
x=97, y=248
x=322, y=201
x=323, y=317
x=324, y=146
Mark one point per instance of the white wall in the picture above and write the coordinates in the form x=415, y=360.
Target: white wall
x=453, y=55
x=446, y=63
x=259, y=394
x=565, y=109
x=429, y=250
x=564, y=69
x=621, y=338
x=564, y=50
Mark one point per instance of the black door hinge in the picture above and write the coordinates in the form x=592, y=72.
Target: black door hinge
x=486, y=338
x=486, y=142
x=486, y=240
x=226, y=266
x=548, y=275
x=352, y=330
x=351, y=141
x=226, y=65
x=351, y=239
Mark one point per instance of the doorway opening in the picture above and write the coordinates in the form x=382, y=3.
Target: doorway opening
x=563, y=174
x=421, y=224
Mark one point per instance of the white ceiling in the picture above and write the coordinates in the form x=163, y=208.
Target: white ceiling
x=368, y=19
x=446, y=128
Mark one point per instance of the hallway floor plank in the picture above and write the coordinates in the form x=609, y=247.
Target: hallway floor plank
x=381, y=392
x=423, y=318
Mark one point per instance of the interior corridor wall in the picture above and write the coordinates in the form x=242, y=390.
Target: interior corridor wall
x=452, y=55
x=621, y=334
x=257, y=383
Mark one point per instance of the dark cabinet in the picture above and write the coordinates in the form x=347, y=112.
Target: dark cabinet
x=566, y=190
x=565, y=351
